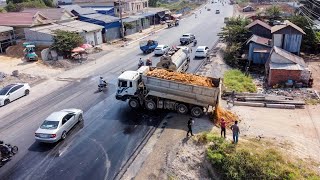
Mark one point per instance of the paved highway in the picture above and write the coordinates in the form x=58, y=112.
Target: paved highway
x=99, y=147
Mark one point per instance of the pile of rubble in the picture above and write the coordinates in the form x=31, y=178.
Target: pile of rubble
x=17, y=77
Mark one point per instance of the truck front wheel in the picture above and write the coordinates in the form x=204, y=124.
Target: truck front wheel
x=182, y=109
x=151, y=105
x=196, y=111
x=134, y=103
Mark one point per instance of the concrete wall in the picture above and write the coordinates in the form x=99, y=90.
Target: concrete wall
x=38, y=38
x=280, y=76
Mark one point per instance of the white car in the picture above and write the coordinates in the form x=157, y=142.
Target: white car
x=57, y=125
x=13, y=92
x=161, y=49
x=202, y=51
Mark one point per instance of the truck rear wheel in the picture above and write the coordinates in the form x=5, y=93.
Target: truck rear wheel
x=134, y=103
x=151, y=105
x=182, y=109
x=196, y=111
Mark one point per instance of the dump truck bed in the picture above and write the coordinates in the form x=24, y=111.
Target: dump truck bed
x=183, y=92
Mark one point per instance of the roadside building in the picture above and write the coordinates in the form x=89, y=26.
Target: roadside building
x=20, y=20
x=111, y=25
x=54, y=14
x=7, y=37
x=130, y=7
x=43, y=35
x=287, y=36
x=283, y=66
x=259, y=49
x=260, y=28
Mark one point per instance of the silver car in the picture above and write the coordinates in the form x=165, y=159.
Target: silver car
x=57, y=125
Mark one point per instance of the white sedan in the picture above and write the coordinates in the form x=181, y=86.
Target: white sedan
x=161, y=49
x=202, y=51
x=13, y=92
x=57, y=125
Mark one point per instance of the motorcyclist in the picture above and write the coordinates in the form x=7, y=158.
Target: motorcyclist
x=102, y=82
x=149, y=62
x=194, y=42
x=140, y=63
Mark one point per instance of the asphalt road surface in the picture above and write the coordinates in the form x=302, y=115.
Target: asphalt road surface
x=99, y=147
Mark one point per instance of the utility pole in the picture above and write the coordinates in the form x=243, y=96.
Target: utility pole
x=121, y=22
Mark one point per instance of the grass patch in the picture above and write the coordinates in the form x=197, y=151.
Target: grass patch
x=238, y=81
x=252, y=160
x=312, y=101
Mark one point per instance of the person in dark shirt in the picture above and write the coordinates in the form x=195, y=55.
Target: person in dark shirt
x=235, y=132
x=190, y=127
x=223, y=127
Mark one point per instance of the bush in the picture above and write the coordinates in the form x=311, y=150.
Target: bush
x=238, y=81
x=253, y=161
x=65, y=41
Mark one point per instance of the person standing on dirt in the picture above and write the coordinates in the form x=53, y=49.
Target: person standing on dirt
x=223, y=127
x=235, y=132
x=190, y=122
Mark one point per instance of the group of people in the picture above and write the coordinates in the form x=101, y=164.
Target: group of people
x=235, y=129
x=148, y=62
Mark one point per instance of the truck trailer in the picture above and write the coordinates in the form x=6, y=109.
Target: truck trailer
x=177, y=59
x=142, y=90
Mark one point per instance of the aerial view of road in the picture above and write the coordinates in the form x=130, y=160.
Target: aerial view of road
x=98, y=147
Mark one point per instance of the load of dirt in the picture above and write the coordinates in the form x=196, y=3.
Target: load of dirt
x=181, y=77
x=228, y=116
x=6, y=79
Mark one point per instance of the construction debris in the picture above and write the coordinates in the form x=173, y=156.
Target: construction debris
x=227, y=115
x=181, y=77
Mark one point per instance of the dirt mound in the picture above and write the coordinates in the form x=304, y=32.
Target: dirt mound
x=181, y=77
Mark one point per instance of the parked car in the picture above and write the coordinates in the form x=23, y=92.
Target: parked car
x=202, y=51
x=57, y=125
x=187, y=38
x=217, y=11
x=161, y=49
x=13, y=92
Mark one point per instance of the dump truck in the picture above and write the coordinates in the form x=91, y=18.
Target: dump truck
x=177, y=59
x=143, y=90
x=148, y=46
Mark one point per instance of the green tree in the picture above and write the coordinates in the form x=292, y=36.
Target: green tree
x=65, y=41
x=235, y=31
x=153, y=3
x=310, y=41
x=273, y=12
x=13, y=7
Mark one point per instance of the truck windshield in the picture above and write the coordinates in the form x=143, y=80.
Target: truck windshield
x=122, y=83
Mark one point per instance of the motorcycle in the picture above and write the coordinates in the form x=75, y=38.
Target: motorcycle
x=102, y=86
x=195, y=43
x=7, y=151
x=148, y=62
x=140, y=64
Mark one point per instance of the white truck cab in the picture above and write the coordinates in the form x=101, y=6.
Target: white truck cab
x=127, y=84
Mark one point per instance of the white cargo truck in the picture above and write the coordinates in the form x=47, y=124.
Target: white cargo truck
x=177, y=59
x=156, y=93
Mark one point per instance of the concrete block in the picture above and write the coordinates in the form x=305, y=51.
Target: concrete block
x=281, y=106
x=237, y=103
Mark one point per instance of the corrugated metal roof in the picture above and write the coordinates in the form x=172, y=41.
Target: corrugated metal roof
x=5, y=29
x=259, y=40
x=72, y=26
x=130, y=19
x=102, y=17
x=286, y=24
x=51, y=13
x=261, y=23
x=262, y=50
x=289, y=56
x=286, y=66
x=78, y=9
x=19, y=18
